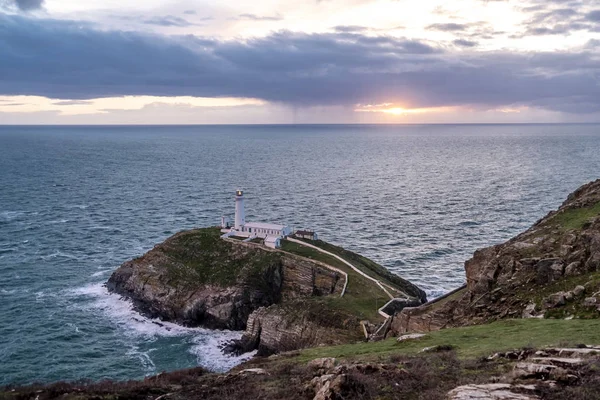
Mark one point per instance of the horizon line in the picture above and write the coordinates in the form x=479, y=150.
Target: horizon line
x=303, y=124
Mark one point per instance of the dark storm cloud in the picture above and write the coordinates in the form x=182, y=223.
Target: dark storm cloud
x=69, y=60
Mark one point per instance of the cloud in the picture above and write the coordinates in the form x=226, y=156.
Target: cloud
x=67, y=60
x=559, y=17
x=72, y=103
x=464, y=43
x=27, y=5
x=169, y=21
x=349, y=28
x=593, y=16
x=448, y=27
x=254, y=17
x=22, y=5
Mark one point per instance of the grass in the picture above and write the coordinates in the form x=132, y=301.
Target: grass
x=200, y=256
x=369, y=267
x=576, y=218
x=363, y=297
x=475, y=341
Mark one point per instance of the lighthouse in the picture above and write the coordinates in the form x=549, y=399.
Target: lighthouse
x=240, y=217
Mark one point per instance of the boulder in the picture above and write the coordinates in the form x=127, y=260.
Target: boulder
x=325, y=363
x=410, y=336
x=555, y=300
x=529, y=311
x=590, y=302
x=492, y=391
x=579, y=290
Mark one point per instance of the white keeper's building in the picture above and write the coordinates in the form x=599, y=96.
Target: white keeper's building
x=271, y=233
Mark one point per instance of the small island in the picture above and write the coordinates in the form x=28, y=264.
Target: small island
x=285, y=290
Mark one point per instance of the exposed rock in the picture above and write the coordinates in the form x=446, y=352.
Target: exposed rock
x=529, y=311
x=492, y=391
x=533, y=370
x=411, y=336
x=253, y=371
x=555, y=300
x=502, y=280
x=322, y=363
x=590, y=302
x=332, y=387
x=564, y=361
x=573, y=268
x=578, y=291
x=195, y=278
x=285, y=327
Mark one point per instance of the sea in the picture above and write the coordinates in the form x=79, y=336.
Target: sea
x=78, y=201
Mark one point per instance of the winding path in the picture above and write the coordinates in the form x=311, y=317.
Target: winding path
x=345, y=262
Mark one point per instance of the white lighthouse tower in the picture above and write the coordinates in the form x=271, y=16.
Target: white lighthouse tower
x=240, y=217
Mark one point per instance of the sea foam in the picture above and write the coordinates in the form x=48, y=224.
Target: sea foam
x=206, y=344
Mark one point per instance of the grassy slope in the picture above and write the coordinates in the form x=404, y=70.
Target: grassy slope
x=576, y=218
x=362, y=299
x=475, y=341
x=367, y=266
x=200, y=256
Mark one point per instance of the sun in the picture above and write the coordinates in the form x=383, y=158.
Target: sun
x=395, y=111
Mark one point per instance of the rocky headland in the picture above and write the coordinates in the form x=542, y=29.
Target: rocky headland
x=284, y=299
x=552, y=270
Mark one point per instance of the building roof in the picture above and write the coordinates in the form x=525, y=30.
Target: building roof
x=271, y=239
x=262, y=225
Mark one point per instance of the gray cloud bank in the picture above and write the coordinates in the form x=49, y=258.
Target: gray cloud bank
x=68, y=60
x=24, y=5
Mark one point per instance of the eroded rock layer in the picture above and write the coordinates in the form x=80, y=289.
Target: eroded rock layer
x=549, y=270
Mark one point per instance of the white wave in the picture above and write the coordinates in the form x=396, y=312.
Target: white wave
x=58, y=253
x=79, y=206
x=206, y=343
x=144, y=358
x=10, y=215
x=101, y=273
x=207, y=349
x=57, y=221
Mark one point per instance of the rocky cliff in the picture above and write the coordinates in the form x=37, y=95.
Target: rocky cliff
x=551, y=270
x=283, y=300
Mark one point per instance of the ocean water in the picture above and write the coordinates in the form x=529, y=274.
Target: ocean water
x=76, y=202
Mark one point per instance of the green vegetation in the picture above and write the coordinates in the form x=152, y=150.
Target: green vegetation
x=575, y=218
x=475, y=341
x=200, y=256
x=369, y=267
x=363, y=297
x=574, y=307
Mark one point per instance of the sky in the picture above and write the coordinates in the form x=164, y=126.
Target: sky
x=299, y=61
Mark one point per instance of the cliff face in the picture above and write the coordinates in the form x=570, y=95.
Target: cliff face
x=550, y=270
x=197, y=279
